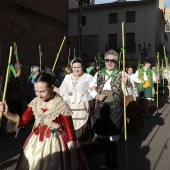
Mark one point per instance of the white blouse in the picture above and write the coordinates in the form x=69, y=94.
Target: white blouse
x=76, y=90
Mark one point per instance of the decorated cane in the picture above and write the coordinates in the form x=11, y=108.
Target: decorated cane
x=16, y=56
x=6, y=81
x=157, y=79
x=40, y=57
x=58, y=53
x=98, y=57
x=124, y=97
x=120, y=59
x=139, y=64
x=74, y=54
x=163, y=75
x=96, y=61
x=167, y=67
x=68, y=60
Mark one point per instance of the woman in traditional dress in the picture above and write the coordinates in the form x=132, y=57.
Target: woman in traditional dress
x=135, y=118
x=35, y=70
x=52, y=143
x=75, y=91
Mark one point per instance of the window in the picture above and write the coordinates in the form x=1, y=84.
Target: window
x=130, y=16
x=112, y=18
x=83, y=21
x=112, y=41
x=130, y=42
x=167, y=27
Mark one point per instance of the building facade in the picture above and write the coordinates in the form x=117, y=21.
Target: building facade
x=167, y=26
x=144, y=25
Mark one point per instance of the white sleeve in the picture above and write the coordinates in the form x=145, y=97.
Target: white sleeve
x=64, y=86
x=153, y=76
x=93, y=93
x=135, y=78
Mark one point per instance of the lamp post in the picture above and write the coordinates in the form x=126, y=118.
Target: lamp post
x=144, y=50
x=81, y=3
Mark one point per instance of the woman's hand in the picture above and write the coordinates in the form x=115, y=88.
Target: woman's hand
x=14, y=118
x=4, y=108
x=142, y=82
x=124, y=79
x=101, y=97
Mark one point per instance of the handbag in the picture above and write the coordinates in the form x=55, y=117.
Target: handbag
x=146, y=84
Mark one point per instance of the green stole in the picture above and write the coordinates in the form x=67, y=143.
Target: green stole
x=110, y=75
x=89, y=69
x=141, y=76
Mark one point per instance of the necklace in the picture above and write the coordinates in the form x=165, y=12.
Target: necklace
x=77, y=77
x=42, y=116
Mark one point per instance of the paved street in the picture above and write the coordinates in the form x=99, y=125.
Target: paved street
x=148, y=148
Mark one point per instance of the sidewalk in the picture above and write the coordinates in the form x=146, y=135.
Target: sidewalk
x=148, y=148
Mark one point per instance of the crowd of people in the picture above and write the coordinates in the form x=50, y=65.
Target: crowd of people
x=86, y=106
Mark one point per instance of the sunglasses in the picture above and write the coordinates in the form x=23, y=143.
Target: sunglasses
x=112, y=61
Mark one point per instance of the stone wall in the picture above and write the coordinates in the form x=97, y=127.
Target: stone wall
x=30, y=24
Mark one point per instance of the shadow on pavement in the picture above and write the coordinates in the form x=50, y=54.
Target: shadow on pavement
x=138, y=141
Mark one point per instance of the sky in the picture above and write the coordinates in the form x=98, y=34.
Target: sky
x=167, y=2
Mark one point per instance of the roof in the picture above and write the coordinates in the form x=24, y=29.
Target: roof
x=116, y=4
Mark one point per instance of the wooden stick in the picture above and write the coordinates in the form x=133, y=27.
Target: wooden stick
x=120, y=59
x=6, y=81
x=166, y=64
x=15, y=46
x=16, y=56
x=58, y=53
x=124, y=89
x=40, y=57
x=139, y=64
x=98, y=60
x=74, y=54
x=163, y=75
x=157, y=80
x=167, y=67
x=68, y=61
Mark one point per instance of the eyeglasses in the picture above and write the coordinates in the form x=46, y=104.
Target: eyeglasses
x=112, y=61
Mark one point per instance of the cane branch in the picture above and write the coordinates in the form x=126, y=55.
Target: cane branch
x=124, y=89
x=163, y=74
x=157, y=79
x=6, y=81
x=40, y=57
x=68, y=60
x=167, y=67
x=98, y=61
x=16, y=56
x=58, y=53
x=120, y=59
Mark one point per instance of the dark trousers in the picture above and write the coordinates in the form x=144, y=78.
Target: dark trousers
x=110, y=149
